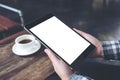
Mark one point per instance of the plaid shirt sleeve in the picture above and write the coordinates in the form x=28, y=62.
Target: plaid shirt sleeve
x=79, y=77
x=111, y=49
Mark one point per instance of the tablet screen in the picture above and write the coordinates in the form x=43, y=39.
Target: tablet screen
x=61, y=39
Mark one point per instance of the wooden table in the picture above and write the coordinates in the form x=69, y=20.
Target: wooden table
x=13, y=67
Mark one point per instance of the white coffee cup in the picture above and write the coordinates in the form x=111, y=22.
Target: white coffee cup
x=25, y=42
x=26, y=45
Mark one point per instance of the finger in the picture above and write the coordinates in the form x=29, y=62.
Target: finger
x=81, y=32
x=51, y=55
x=85, y=35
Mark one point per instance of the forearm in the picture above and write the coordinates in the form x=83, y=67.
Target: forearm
x=111, y=49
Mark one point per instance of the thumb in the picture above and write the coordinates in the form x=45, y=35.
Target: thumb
x=51, y=55
x=86, y=35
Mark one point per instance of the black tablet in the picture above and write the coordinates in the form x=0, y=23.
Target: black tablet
x=66, y=43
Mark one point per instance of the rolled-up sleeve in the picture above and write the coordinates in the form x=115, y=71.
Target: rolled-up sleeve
x=111, y=49
x=79, y=77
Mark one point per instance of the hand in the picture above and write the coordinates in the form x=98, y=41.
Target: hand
x=60, y=67
x=99, y=50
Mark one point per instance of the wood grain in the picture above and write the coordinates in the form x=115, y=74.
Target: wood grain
x=4, y=26
x=13, y=67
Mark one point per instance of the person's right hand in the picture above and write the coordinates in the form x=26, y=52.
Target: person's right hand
x=61, y=68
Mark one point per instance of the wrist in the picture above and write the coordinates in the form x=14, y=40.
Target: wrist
x=67, y=77
x=100, y=50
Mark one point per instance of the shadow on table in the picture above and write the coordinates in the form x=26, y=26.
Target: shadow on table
x=98, y=69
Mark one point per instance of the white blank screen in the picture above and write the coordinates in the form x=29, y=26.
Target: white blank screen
x=60, y=38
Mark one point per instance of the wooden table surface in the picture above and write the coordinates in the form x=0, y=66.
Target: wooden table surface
x=13, y=67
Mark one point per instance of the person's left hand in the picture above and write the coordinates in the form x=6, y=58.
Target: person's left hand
x=60, y=67
x=98, y=52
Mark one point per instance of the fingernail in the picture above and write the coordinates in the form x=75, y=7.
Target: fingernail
x=46, y=50
x=74, y=28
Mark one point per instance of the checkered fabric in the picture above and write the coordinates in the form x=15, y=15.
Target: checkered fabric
x=79, y=77
x=111, y=49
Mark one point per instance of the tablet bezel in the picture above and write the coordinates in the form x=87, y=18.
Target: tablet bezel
x=80, y=58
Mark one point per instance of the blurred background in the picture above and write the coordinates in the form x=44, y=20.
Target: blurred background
x=93, y=16
x=100, y=18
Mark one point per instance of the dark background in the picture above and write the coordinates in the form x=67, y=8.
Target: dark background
x=102, y=22
x=79, y=14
